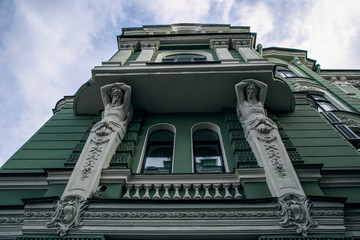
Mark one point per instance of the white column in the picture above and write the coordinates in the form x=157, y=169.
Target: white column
x=246, y=51
x=221, y=47
x=148, y=48
x=125, y=51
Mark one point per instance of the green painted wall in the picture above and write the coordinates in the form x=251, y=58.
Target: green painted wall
x=316, y=140
x=253, y=190
x=14, y=196
x=52, y=144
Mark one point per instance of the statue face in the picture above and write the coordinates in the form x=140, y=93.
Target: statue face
x=251, y=91
x=117, y=93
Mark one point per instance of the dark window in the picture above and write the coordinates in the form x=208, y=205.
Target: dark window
x=184, y=58
x=322, y=104
x=159, y=153
x=207, y=152
x=285, y=72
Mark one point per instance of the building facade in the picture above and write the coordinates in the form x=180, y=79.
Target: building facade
x=191, y=131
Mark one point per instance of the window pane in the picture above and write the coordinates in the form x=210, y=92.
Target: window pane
x=207, y=152
x=159, y=152
x=184, y=58
x=158, y=159
x=326, y=106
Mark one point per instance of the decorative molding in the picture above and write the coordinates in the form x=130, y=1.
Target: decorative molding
x=147, y=45
x=181, y=214
x=177, y=191
x=296, y=212
x=219, y=43
x=68, y=214
x=6, y=220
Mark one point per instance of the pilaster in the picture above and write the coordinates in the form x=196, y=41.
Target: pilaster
x=148, y=48
x=221, y=47
x=125, y=51
x=245, y=50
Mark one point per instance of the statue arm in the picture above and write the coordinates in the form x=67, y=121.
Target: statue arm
x=127, y=97
x=262, y=90
x=105, y=95
x=239, y=89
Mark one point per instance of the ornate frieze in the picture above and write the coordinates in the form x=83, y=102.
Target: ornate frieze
x=181, y=214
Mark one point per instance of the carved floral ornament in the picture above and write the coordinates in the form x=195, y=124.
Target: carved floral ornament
x=67, y=214
x=296, y=212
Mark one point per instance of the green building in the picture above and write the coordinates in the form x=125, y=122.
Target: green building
x=205, y=135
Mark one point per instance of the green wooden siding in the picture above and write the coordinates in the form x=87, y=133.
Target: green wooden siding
x=316, y=140
x=52, y=144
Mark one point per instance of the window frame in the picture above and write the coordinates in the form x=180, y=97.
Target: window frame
x=151, y=130
x=160, y=56
x=216, y=129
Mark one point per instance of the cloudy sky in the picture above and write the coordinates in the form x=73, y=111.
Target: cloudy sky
x=48, y=48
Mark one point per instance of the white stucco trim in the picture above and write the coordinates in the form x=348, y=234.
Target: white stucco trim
x=160, y=56
x=151, y=129
x=215, y=128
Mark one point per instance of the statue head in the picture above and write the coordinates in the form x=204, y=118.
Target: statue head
x=117, y=94
x=251, y=91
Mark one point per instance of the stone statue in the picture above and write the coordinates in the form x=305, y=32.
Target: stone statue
x=117, y=110
x=251, y=96
x=95, y=156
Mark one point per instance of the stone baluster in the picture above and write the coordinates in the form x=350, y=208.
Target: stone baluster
x=236, y=188
x=197, y=195
x=227, y=193
x=127, y=193
x=187, y=194
x=137, y=191
x=157, y=192
x=176, y=195
x=207, y=194
x=147, y=191
x=217, y=193
x=166, y=195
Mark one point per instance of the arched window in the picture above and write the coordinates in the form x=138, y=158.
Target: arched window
x=285, y=72
x=184, y=57
x=159, y=153
x=207, y=152
x=322, y=104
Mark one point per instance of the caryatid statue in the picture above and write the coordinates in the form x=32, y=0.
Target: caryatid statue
x=270, y=152
x=96, y=155
x=251, y=95
x=117, y=114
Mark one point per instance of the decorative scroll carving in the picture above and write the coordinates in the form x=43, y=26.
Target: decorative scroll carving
x=296, y=212
x=92, y=156
x=68, y=213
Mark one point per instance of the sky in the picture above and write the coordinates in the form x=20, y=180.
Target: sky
x=48, y=48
